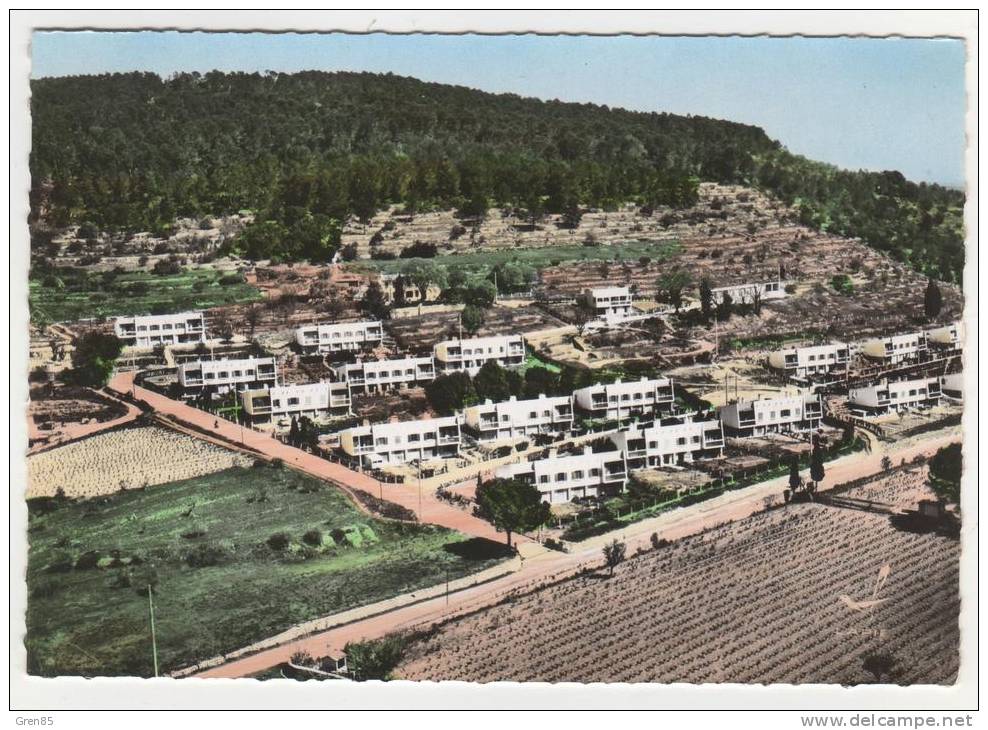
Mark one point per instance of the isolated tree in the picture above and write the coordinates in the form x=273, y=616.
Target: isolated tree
x=293, y=433
x=817, y=471
x=375, y=303
x=946, y=467
x=706, y=298
x=886, y=463
x=511, y=505
x=725, y=307
x=614, y=555
x=94, y=357
x=374, y=659
x=491, y=381
x=671, y=284
x=794, y=480
x=932, y=300
x=448, y=393
x=472, y=319
x=253, y=317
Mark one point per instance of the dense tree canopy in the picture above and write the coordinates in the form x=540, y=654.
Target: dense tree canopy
x=305, y=151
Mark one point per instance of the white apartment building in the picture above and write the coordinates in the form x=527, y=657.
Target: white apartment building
x=226, y=375
x=562, y=478
x=307, y=399
x=612, y=302
x=620, y=400
x=781, y=414
x=160, y=329
x=947, y=337
x=952, y=386
x=746, y=293
x=895, y=349
x=800, y=362
x=670, y=442
x=339, y=337
x=400, y=442
x=897, y=396
x=508, y=419
x=376, y=376
x=470, y=355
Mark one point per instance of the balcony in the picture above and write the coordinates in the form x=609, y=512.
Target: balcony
x=713, y=438
x=746, y=418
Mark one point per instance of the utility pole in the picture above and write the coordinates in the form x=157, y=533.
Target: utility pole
x=447, y=586
x=154, y=640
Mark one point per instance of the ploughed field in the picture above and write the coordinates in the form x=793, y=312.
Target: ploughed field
x=756, y=601
x=233, y=557
x=126, y=458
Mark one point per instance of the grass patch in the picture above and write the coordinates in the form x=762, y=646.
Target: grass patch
x=66, y=295
x=531, y=361
x=481, y=262
x=219, y=583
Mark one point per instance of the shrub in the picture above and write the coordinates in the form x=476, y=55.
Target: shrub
x=88, y=560
x=202, y=556
x=231, y=279
x=313, y=537
x=279, y=541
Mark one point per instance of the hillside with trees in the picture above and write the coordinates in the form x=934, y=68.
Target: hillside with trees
x=306, y=151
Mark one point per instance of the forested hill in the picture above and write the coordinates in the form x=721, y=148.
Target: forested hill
x=133, y=151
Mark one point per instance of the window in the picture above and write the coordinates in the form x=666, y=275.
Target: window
x=595, y=472
x=546, y=414
x=680, y=441
x=784, y=413
x=276, y=403
x=624, y=397
x=414, y=438
x=381, y=441
x=237, y=374
x=532, y=414
x=561, y=477
x=578, y=474
x=210, y=376
x=544, y=479
x=293, y=401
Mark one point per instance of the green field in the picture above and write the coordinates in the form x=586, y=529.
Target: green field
x=91, y=618
x=69, y=295
x=480, y=262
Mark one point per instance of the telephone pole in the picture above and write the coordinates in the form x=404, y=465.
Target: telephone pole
x=154, y=640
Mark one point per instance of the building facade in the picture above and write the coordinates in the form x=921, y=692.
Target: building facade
x=800, y=362
x=339, y=337
x=671, y=442
x=227, y=375
x=160, y=329
x=308, y=399
x=896, y=396
x=620, y=400
x=412, y=293
x=470, y=355
x=400, y=442
x=952, y=386
x=377, y=376
x=947, y=337
x=747, y=293
x=895, y=349
x=782, y=414
x=512, y=418
x=562, y=478
x=613, y=302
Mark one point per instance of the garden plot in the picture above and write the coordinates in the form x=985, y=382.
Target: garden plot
x=758, y=600
x=420, y=334
x=127, y=458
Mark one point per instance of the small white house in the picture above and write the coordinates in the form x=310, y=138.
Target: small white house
x=896, y=396
x=620, y=400
x=947, y=337
x=781, y=414
x=376, y=376
x=612, y=302
x=896, y=348
x=801, y=362
x=491, y=421
x=226, y=375
x=952, y=386
x=671, y=442
x=146, y=331
x=339, y=337
x=470, y=355
x=399, y=442
x=307, y=399
x=749, y=292
x=562, y=478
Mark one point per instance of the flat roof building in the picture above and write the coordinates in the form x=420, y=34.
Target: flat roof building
x=609, y=302
x=508, y=419
x=402, y=441
x=896, y=348
x=747, y=293
x=151, y=330
x=946, y=337
x=376, y=376
x=226, y=375
x=896, y=396
x=470, y=355
x=339, y=337
x=801, y=362
x=562, y=478
x=304, y=399
x=781, y=414
x=670, y=442
x=620, y=400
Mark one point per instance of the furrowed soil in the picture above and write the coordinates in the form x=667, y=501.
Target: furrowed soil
x=218, y=585
x=762, y=600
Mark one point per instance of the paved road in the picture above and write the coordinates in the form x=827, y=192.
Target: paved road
x=549, y=566
x=423, y=502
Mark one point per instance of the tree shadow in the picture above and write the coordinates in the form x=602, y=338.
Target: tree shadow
x=479, y=548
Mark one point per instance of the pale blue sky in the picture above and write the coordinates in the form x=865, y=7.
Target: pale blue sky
x=859, y=103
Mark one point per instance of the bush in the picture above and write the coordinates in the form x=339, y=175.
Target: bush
x=313, y=537
x=203, y=556
x=88, y=560
x=231, y=279
x=279, y=541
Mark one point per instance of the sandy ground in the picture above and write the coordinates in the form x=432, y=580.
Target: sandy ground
x=72, y=431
